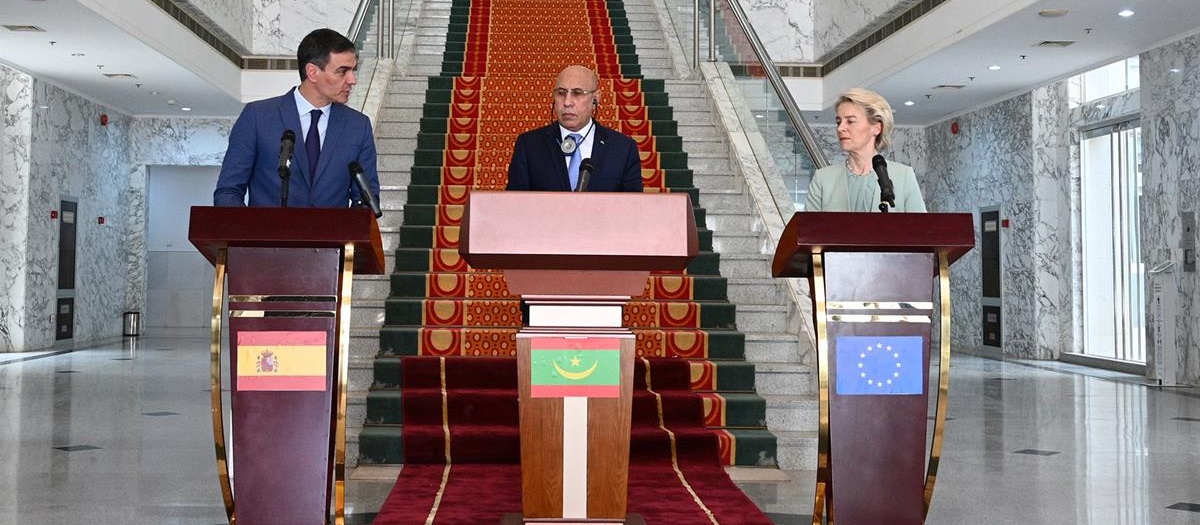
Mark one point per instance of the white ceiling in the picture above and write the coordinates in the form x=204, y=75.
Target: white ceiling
x=77, y=29
x=1112, y=38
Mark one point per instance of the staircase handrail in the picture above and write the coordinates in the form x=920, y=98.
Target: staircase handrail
x=768, y=67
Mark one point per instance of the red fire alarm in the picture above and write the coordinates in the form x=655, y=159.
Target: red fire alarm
x=100, y=220
x=954, y=127
x=53, y=214
x=1004, y=223
x=103, y=119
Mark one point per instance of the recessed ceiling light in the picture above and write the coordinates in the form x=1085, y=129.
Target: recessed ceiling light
x=43, y=107
x=993, y=67
x=1125, y=13
x=758, y=116
x=155, y=93
x=170, y=102
x=186, y=109
x=1052, y=13
x=78, y=55
x=1174, y=70
x=909, y=103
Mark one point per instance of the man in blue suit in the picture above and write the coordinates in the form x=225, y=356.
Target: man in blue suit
x=328, y=135
x=549, y=158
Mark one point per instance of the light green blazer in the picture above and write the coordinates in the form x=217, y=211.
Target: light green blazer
x=828, y=190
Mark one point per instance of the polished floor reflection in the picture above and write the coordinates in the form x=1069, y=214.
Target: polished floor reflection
x=120, y=433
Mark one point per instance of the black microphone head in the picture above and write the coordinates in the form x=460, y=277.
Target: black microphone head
x=586, y=165
x=355, y=167
x=288, y=135
x=878, y=162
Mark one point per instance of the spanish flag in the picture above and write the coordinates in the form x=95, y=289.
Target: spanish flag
x=575, y=367
x=281, y=360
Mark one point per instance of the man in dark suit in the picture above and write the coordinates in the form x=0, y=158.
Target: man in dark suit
x=549, y=158
x=328, y=135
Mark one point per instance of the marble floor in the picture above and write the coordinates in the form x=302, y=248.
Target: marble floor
x=121, y=433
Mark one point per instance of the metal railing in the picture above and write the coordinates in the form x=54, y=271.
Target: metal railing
x=722, y=28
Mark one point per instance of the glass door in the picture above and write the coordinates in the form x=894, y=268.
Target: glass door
x=1113, y=290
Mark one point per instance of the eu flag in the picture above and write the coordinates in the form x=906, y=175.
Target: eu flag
x=879, y=365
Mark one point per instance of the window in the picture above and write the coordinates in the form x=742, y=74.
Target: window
x=1109, y=80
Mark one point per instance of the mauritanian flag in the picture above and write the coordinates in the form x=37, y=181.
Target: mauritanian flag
x=281, y=360
x=575, y=367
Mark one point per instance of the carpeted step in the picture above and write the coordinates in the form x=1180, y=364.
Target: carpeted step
x=507, y=140
x=477, y=285
x=410, y=259
x=397, y=341
x=496, y=406
x=447, y=236
x=499, y=313
x=628, y=127
x=699, y=374
x=451, y=194
x=455, y=83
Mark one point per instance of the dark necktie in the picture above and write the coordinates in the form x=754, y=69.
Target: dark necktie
x=312, y=144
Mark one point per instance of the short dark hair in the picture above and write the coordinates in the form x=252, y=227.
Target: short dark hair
x=316, y=47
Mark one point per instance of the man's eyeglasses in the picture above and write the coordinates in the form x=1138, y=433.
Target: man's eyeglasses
x=575, y=93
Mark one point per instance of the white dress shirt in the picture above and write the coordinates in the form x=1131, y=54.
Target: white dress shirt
x=588, y=132
x=305, y=109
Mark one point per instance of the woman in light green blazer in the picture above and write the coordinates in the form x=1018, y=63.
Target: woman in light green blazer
x=864, y=126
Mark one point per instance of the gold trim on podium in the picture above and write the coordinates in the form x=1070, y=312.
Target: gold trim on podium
x=939, y=425
x=824, y=491
x=218, y=412
x=343, y=356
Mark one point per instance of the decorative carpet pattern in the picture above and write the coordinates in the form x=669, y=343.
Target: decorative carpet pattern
x=444, y=399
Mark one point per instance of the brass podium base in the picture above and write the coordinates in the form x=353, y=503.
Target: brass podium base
x=517, y=519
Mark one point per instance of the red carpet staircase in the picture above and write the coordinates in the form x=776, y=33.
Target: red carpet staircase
x=444, y=398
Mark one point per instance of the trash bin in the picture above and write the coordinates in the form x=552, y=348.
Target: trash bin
x=132, y=327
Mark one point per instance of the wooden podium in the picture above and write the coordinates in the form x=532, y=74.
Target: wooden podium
x=576, y=259
x=290, y=272
x=871, y=277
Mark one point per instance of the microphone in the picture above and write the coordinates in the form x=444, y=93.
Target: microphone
x=364, y=189
x=585, y=173
x=287, y=143
x=887, y=194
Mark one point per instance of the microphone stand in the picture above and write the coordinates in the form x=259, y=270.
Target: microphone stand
x=285, y=176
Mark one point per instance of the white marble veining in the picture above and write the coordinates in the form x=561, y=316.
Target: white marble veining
x=990, y=162
x=233, y=17
x=16, y=115
x=909, y=146
x=839, y=24
x=159, y=141
x=75, y=157
x=785, y=28
x=1052, y=247
x=279, y=25
x=1171, y=145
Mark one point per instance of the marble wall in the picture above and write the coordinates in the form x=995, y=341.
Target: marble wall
x=16, y=115
x=839, y=24
x=1171, y=140
x=989, y=162
x=785, y=27
x=75, y=158
x=53, y=147
x=162, y=142
x=233, y=17
x=279, y=25
x=909, y=146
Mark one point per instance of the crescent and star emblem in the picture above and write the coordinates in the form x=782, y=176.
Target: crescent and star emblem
x=575, y=376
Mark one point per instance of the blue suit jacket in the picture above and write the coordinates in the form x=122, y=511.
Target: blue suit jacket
x=252, y=160
x=538, y=164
